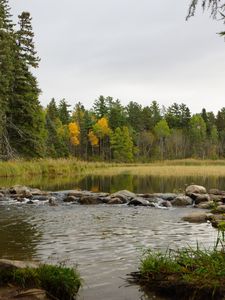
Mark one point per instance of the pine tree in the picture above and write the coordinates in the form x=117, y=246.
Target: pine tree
x=64, y=112
x=26, y=123
x=7, y=42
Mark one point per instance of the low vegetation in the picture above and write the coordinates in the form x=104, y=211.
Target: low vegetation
x=186, y=273
x=59, y=282
x=71, y=166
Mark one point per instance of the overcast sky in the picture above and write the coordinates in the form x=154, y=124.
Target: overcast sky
x=139, y=50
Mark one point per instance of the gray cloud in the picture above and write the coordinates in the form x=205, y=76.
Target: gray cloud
x=130, y=49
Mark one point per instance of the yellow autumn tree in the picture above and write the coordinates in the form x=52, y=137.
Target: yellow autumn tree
x=94, y=140
x=74, y=131
x=101, y=128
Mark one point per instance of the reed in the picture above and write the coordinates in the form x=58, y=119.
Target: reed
x=72, y=166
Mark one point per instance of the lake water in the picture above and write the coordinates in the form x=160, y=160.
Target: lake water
x=106, y=242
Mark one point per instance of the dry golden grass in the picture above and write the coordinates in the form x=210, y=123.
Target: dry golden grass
x=71, y=167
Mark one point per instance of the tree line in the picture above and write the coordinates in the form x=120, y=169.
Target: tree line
x=108, y=131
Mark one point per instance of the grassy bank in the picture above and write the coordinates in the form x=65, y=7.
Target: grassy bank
x=59, y=282
x=184, y=274
x=70, y=167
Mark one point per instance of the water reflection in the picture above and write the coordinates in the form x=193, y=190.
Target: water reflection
x=18, y=237
x=137, y=184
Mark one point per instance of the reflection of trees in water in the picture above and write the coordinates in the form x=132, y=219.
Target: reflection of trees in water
x=18, y=238
x=147, y=184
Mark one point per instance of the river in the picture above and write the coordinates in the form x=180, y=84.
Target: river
x=105, y=242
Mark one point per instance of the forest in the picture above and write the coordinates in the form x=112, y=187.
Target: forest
x=109, y=131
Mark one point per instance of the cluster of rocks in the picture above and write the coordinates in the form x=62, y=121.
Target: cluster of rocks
x=194, y=195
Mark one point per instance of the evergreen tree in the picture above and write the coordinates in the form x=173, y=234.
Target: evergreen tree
x=7, y=43
x=64, y=112
x=134, y=112
x=52, y=110
x=116, y=114
x=100, y=107
x=25, y=118
x=122, y=145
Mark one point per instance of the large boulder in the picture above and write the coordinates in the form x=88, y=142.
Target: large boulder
x=123, y=195
x=195, y=189
x=182, y=201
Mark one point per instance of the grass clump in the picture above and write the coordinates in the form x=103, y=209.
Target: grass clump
x=60, y=282
x=184, y=274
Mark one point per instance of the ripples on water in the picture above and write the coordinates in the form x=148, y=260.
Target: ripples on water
x=105, y=241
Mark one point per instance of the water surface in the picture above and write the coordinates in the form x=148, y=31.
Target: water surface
x=106, y=242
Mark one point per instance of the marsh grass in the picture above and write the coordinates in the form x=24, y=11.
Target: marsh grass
x=59, y=281
x=72, y=166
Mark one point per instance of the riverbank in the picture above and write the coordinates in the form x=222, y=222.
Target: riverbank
x=72, y=166
x=29, y=280
x=183, y=274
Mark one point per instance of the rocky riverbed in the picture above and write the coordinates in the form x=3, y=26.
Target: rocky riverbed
x=211, y=202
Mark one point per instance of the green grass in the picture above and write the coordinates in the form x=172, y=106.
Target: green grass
x=200, y=273
x=59, y=281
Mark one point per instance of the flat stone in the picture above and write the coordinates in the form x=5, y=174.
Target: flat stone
x=196, y=217
x=16, y=264
x=34, y=294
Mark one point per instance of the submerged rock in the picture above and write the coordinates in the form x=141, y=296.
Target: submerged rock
x=90, y=200
x=196, y=217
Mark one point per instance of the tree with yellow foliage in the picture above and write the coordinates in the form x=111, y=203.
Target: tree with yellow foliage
x=102, y=131
x=74, y=131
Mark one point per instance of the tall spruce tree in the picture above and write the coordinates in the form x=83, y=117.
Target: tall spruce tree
x=26, y=124
x=7, y=42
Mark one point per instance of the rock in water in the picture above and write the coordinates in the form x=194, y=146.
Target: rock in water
x=195, y=189
x=196, y=217
x=139, y=202
x=182, y=201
